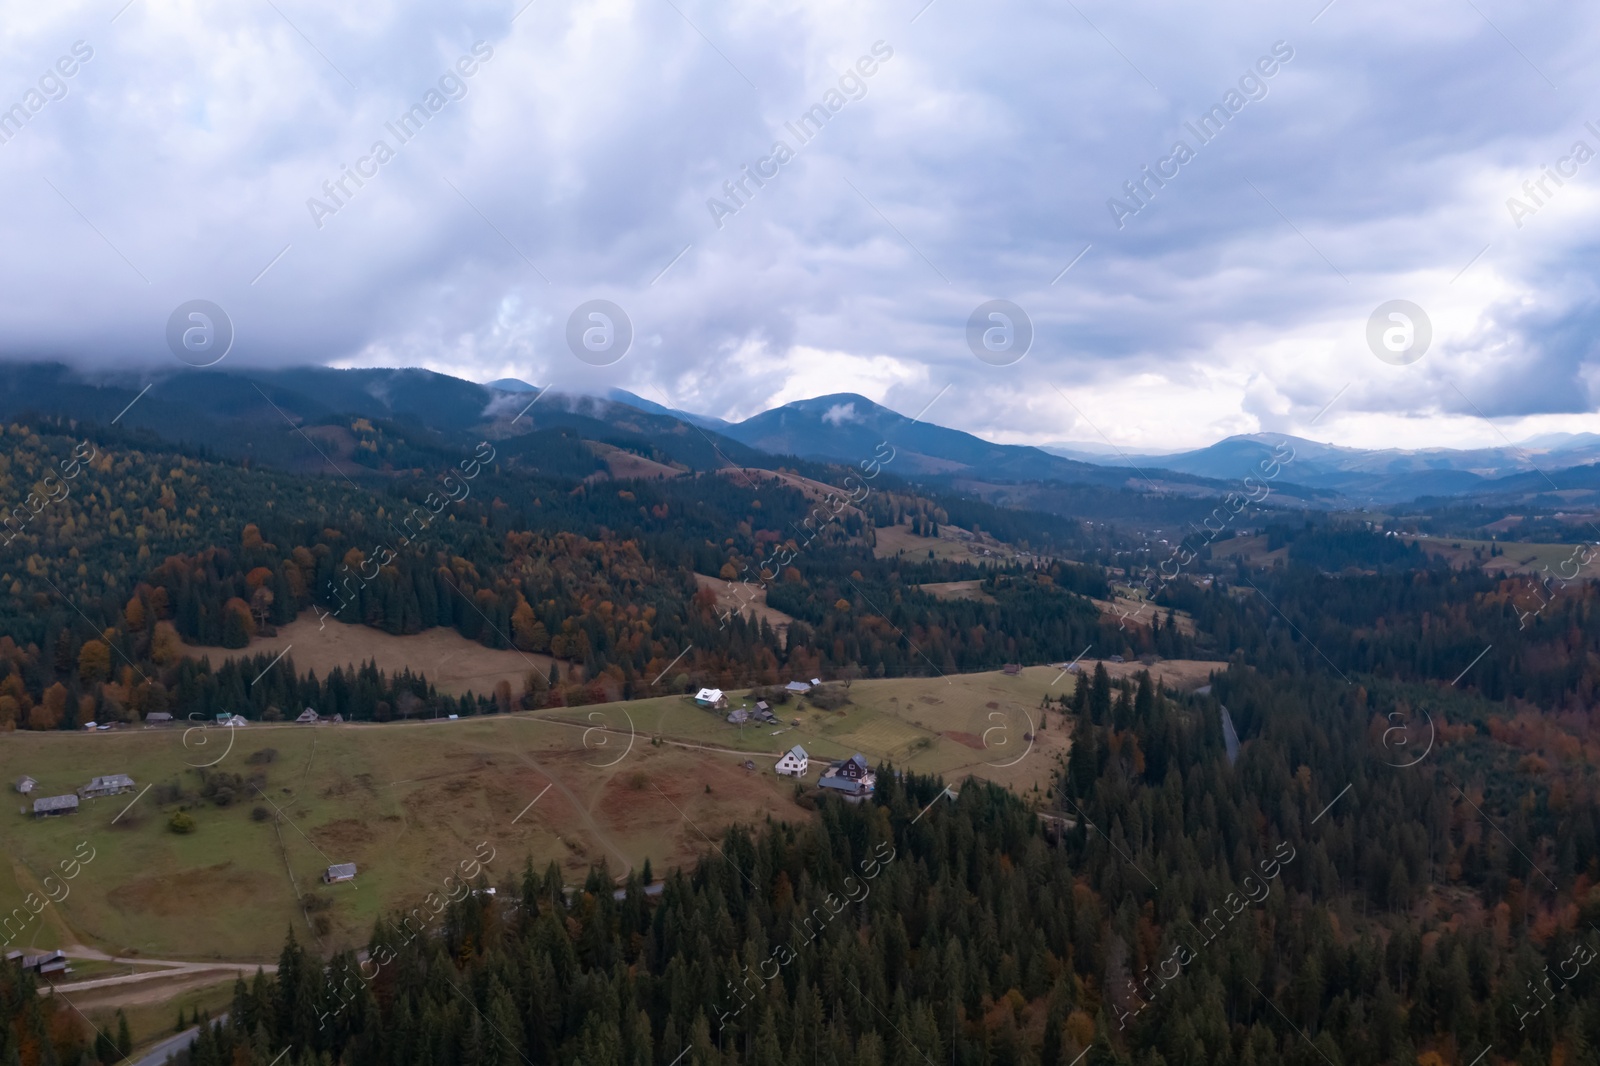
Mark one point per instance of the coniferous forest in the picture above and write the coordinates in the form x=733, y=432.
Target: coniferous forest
x=1398, y=862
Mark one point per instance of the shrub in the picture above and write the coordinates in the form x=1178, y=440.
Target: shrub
x=181, y=822
x=829, y=697
x=259, y=814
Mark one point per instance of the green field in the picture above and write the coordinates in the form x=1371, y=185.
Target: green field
x=409, y=802
x=1519, y=557
x=948, y=725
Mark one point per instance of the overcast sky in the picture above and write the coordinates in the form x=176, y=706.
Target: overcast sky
x=186, y=158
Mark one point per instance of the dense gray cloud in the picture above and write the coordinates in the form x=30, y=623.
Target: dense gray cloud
x=1368, y=154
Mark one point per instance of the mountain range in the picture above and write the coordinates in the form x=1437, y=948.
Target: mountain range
x=258, y=414
x=1383, y=474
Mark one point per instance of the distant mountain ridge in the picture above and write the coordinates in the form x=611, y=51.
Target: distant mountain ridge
x=257, y=414
x=1384, y=474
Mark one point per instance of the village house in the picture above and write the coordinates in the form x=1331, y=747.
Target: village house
x=308, y=717
x=793, y=762
x=739, y=716
x=52, y=805
x=853, y=777
x=157, y=718
x=799, y=688
x=712, y=698
x=340, y=871
x=110, y=785
x=26, y=785
x=1012, y=669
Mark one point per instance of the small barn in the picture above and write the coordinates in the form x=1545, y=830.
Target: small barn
x=793, y=763
x=340, y=871
x=110, y=785
x=43, y=962
x=799, y=688
x=739, y=716
x=52, y=805
x=26, y=784
x=1012, y=669
x=157, y=718
x=308, y=717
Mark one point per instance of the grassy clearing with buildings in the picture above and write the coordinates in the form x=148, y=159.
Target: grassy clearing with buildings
x=407, y=802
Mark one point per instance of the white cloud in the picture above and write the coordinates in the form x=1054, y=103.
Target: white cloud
x=976, y=166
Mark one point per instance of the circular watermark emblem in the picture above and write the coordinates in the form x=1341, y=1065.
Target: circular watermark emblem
x=1406, y=742
x=202, y=740
x=1399, y=332
x=999, y=332
x=604, y=737
x=1006, y=734
x=199, y=332
x=599, y=332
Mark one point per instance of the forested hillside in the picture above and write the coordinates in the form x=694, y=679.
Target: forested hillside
x=1312, y=903
x=120, y=545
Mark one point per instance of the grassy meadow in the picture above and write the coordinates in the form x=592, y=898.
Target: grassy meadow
x=407, y=802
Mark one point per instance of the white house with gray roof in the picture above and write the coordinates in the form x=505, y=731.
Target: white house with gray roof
x=793, y=762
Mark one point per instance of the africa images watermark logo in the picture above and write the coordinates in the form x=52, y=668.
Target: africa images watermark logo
x=852, y=86
x=1252, y=86
x=52, y=86
x=452, y=86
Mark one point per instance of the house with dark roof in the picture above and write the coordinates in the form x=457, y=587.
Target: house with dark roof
x=157, y=718
x=52, y=805
x=853, y=777
x=110, y=785
x=1011, y=669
